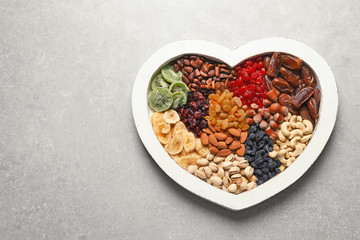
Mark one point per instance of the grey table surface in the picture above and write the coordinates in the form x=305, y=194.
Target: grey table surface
x=72, y=165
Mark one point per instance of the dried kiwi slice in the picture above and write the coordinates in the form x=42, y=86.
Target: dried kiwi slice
x=179, y=99
x=178, y=87
x=160, y=99
x=158, y=81
x=170, y=75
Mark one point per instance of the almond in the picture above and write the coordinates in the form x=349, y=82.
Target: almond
x=221, y=145
x=212, y=128
x=220, y=136
x=241, y=151
x=224, y=153
x=214, y=150
x=235, y=145
x=212, y=139
x=204, y=139
x=208, y=131
x=229, y=140
x=234, y=132
x=243, y=137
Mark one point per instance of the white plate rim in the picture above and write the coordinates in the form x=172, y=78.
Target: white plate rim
x=325, y=125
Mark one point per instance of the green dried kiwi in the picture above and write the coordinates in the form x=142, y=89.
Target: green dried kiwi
x=178, y=87
x=179, y=99
x=170, y=75
x=158, y=81
x=160, y=99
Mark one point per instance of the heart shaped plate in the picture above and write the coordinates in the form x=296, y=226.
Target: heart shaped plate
x=321, y=133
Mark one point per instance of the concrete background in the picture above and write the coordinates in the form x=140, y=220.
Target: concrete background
x=71, y=163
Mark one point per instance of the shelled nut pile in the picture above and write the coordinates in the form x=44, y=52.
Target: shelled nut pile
x=231, y=174
x=200, y=73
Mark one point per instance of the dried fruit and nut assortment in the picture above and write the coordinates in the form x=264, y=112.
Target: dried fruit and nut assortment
x=235, y=128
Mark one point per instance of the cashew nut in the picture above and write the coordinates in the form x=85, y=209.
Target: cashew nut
x=292, y=159
x=287, y=153
x=282, y=137
x=293, y=121
x=303, y=145
x=294, y=141
x=281, y=144
x=287, y=118
x=282, y=168
x=296, y=132
x=284, y=129
x=306, y=138
x=299, y=125
x=287, y=163
x=299, y=118
x=273, y=154
x=281, y=155
x=297, y=152
x=276, y=148
x=308, y=127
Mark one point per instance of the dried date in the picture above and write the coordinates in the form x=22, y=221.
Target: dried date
x=291, y=62
x=305, y=114
x=317, y=95
x=301, y=97
x=289, y=76
x=266, y=62
x=313, y=108
x=307, y=77
x=274, y=64
x=268, y=83
x=282, y=85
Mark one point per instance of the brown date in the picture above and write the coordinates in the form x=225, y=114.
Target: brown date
x=307, y=77
x=313, y=108
x=297, y=90
x=268, y=83
x=291, y=62
x=282, y=85
x=289, y=76
x=266, y=62
x=301, y=97
x=274, y=65
x=305, y=114
x=284, y=98
x=317, y=95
